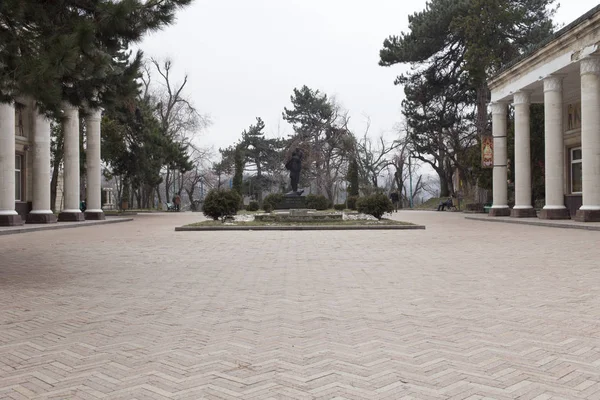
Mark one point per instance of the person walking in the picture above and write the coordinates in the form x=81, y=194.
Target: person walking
x=395, y=200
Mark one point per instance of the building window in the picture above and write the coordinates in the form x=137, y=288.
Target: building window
x=19, y=177
x=576, y=171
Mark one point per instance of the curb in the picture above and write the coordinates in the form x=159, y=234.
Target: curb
x=58, y=226
x=298, y=228
x=537, y=223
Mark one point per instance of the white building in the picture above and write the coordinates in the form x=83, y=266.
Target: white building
x=25, y=165
x=563, y=74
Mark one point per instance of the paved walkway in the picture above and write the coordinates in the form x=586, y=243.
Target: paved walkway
x=462, y=310
x=28, y=228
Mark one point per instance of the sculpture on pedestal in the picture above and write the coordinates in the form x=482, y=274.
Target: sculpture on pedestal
x=294, y=165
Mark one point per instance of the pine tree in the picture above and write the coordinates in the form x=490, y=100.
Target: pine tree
x=477, y=36
x=73, y=50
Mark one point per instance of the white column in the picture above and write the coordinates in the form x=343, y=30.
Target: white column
x=71, y=165
x=8, y=215
x=523, y=207
x=500, y=177
x=94, y=172
x=590, y=138
x=554, y=149
x=41, y=212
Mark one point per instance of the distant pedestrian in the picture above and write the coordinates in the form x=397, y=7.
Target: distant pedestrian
x=177, y=201
x=395, y=200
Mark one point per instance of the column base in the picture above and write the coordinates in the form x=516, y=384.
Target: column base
x=499, y=212
x=558, y=213
x=94, y=216
x=11, y=220
x=47, y=218
x=71, y=216
x=523, y=213
x=587, y=216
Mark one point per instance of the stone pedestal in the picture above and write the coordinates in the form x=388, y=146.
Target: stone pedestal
x=94, y=216
x=587, y=216
x=523, y=213
x=292, y=201
x=499, y=212
x=555, y=213
x=10, y=220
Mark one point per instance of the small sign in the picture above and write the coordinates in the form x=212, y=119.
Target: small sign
x=487, y=151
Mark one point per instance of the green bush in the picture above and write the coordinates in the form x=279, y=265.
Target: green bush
x=318, y=202
x=253, y=206
x=267, y=207
x=220, y=204
x=352, y=202
x=273, y=200
x=375, y=205
x=339, y=207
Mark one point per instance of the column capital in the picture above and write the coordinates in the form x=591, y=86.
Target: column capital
x=590, y=65
x=522, y=97
x=499, y=107
x=69, y=108
x=93, y=114
x=554, y=83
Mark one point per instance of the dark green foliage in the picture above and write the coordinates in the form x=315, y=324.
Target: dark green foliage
x=339, y=207
x=238, y=162
x=272, y=200
x=317, y=201
x=220, y=204
x=267, y=207
x=352, y=178
x=253, y=206
x=74, y=50
x=375, y=205
x=352, y=200
x=454, y=47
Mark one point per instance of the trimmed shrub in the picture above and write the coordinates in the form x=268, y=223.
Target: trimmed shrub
x=267, y=207
x=352, y=202
x=318, y=202
x=253, y=206
x=375, y=205
x=273, y=200
x=220, y=204
x=339, y=207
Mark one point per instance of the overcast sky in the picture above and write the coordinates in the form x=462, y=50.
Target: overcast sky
x=245, y=57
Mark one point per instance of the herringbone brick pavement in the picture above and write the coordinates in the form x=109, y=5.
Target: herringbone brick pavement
x=463, y=310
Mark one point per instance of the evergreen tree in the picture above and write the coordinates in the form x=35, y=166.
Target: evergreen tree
x=73, y=50
x=352, y=178
x=263, y=154
x=239, y=164
x=454, y=47
x=477, y=36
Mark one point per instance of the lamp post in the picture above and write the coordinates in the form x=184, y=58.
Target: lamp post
x=410, y=180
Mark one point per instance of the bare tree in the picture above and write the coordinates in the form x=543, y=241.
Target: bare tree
x=374, y=157
x=200, y=173
x=179, y=119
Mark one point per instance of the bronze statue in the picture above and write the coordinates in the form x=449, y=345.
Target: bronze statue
x=294, y=165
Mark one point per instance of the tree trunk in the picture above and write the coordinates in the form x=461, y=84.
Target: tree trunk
x=444, y=190
x=167, y=185
x=482, y=114
x=158, y=194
